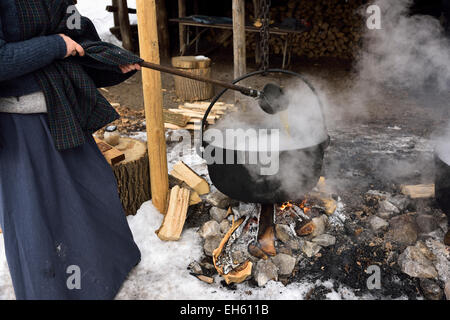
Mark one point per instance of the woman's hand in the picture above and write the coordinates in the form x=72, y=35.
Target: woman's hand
x=73, y=48
x=130, y=67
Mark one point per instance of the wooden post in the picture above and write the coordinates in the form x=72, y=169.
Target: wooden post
x=125, y=28
x=115, y=4
x=239, y=38
x=151, y=82
x=163, y=29
x=182, y=28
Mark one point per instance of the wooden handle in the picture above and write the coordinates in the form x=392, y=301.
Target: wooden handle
x=244, y=90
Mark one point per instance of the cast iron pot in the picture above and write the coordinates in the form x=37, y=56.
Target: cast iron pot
x=442, y=184
x=236, y=181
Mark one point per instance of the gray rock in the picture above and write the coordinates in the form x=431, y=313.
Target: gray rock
x=310, y=249
x=386, y=209
x=414, y=263
x=441, y=258
x=210, y=229
x=426, y=223
x=211, y=244
x=447, y=290
x=294, y=244
x=265, y=271
x=320, y=225
x=325, y=240
x=218, y=199
x=377, y=224
x=195, y=268
x=284, y=233
x=400, y=201
x=218, y=214
x=285, y=263
x=431, y=289
x=225, y=226
x=403, y=230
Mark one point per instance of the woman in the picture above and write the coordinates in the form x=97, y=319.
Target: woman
x=66, y=235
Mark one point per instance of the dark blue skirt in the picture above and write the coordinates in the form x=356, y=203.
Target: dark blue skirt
x=66, y=234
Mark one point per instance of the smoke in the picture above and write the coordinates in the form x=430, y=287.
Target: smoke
x=409, y=53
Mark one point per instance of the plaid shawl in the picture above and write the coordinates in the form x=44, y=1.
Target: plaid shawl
x=75, y=106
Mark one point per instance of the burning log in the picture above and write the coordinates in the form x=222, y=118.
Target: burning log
x=175, y=218
x=182, y=172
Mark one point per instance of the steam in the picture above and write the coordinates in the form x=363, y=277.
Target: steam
x=410, y=53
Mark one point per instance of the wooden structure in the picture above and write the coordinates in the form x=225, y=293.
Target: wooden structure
x=127, y=33
x=149, y=51
x=191, y=90
x=151, y=82
x=286, y=34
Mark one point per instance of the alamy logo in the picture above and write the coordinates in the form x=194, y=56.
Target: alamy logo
x=74, y=19
x=374, y=281
x=74, y=280
x=374, y=20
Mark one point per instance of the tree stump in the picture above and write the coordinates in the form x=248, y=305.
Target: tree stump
x=132, y=174
x=188, y=89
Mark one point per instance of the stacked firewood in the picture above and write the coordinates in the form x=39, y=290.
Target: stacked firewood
x=189, y=115
x=336, y=27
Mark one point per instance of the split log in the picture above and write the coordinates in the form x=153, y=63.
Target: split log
x=194, y=197
x=176, y=118
x=419, y=191
x=132, y=175
x=111, y=154
x=175, y=217
x=183, y=172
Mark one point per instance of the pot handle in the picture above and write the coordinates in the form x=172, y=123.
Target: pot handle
x=217, y=97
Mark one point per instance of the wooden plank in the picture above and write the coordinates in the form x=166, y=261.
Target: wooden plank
x=419, y=191
x=176, y=118
x=183, y=172
x=151, y=82
x=173, y=223
x=125, y=28
x=111, y=154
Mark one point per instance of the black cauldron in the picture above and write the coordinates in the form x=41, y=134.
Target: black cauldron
x=244, y=182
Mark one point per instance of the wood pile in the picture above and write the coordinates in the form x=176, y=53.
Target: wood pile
x=189, y=115
x=186, y=188
x=336, y=28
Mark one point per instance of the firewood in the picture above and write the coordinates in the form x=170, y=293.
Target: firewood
x=176, y=118
x=111, y=154
x=419, y=191
x=206, y=279
x=194, y=197
x=175, y=127
x=175, y=217
x=183, y=172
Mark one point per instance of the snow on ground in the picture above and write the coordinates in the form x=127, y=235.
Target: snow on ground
x=103, y=20
x=162, y=272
